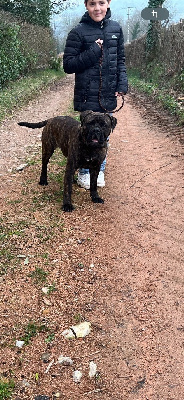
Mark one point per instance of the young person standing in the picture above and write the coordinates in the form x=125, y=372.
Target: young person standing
x=94, y=51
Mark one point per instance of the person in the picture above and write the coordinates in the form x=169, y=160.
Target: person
x=94, y=51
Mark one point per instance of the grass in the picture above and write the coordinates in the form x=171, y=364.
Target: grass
x=8, y=234
x=6, y=388
x=21, y=91
x=50, y=338
x=15, y=231
x=51, y=288
x=31, y=330
x=154, y=87
x=39, y=275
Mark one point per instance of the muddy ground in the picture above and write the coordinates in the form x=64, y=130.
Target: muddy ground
x=118, y=265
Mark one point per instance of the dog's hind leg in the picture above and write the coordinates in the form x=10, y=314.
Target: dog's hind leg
x=93, y=186
x=46, y=154
x=68, y=180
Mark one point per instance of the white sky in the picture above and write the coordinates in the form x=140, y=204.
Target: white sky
x=175, y=7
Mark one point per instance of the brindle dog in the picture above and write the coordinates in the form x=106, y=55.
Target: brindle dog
x=84, y=144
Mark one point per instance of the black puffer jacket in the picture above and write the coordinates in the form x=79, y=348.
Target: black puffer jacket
x=82, y=57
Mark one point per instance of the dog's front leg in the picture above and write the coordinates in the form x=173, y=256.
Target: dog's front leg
x=93, y=186
x=68, y=180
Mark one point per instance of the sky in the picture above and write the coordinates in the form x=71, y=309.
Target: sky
x=172, y=5
x=118, y=6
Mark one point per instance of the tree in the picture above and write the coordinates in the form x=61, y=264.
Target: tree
x=135, y=30
x=153, y=31
x=36, y=12
x=61, y=5
x=64, y=26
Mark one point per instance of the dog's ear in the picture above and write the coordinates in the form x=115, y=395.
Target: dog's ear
x=83, y=115
x=113, y=122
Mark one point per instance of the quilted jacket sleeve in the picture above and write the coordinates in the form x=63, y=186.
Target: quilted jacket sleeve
x=75, y=59
x=121, y=68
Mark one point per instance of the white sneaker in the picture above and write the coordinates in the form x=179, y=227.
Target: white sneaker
x=100, y=179
x=83, y=180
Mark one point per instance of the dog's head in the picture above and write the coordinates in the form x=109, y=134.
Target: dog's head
x=96, y=127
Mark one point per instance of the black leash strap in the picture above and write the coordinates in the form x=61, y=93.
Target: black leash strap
x=100, y=90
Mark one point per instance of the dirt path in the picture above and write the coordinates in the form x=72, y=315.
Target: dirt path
x=117, y=265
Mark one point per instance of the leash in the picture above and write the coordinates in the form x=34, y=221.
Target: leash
x=100, y=89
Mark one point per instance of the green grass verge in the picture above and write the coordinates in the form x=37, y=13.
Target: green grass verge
x=21, y=91
x=6, y=388
x=162, y=94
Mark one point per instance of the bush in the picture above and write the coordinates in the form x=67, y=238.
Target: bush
x=55, y=63
x=23, y=48
x=12, y=61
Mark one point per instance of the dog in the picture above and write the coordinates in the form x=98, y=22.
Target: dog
x=84, y=144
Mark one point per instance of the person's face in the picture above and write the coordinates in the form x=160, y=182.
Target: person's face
x=97, y=9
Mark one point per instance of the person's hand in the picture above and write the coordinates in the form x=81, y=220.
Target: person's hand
x=119, y=94
x=99, y=42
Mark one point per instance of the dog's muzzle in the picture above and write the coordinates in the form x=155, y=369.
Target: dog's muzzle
x=96, y=137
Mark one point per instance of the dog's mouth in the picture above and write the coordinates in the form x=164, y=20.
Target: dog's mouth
x=96, y=143
x=96, y=138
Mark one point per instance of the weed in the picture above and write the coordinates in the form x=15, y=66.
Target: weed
x=59, y=157
x=6, y=388
x=18, y=201
x=81, y=265
x=31, y=162
x=39, y=200
x=32, y=330
x=155, y=84
x=78, y=318
x=6, y=254
x=56, y=177
x=73, y=113
x=45, y=256
x=51, y=288
x=62, y=163
x=50, y=338
x=37, y=377
x=13, y=229
x=9, y=233
x=168, y=102
x=38, y=275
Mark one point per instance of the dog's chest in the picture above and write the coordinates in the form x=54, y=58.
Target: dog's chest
x=88, y=158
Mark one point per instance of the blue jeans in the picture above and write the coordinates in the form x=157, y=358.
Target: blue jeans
x=84, y=171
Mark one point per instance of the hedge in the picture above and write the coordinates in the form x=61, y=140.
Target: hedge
x=23, y=48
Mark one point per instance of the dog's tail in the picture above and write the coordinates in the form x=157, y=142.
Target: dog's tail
x=33, y=125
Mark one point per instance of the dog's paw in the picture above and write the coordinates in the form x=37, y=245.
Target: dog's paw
x=68, y=207
x=97, y=200
x=43, y=182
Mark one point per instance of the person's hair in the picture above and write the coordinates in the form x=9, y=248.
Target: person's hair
x=85, y=1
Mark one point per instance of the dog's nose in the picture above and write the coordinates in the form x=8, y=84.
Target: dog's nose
x=96, y=130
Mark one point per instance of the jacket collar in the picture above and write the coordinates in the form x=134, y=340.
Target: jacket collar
x=87, y=19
